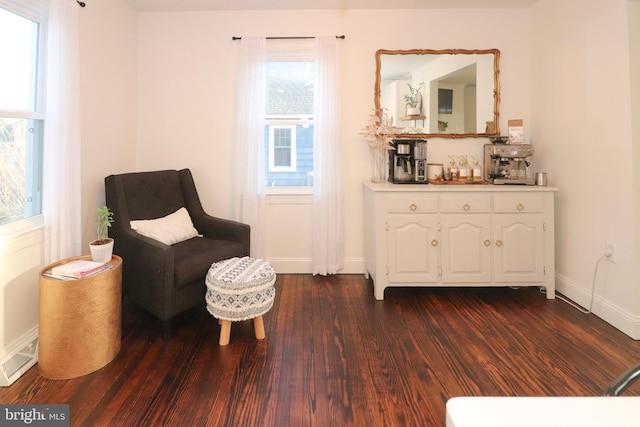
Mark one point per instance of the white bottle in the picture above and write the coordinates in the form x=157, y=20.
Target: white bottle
x=466, y=173
x=453, y=170
x=477, y=170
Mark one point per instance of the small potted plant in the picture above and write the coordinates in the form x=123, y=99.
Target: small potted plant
x=413, y=100
x=102, y=247
x=442, y=126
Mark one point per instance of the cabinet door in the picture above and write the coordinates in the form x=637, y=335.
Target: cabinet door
x=518, y=247
x=466, y=248
x=412, y=248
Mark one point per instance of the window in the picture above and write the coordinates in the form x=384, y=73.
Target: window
x=289, y=121
x=21, y=117
x=282, y=148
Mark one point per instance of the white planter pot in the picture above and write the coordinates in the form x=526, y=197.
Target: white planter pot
x=413, y=111
x=102, y=252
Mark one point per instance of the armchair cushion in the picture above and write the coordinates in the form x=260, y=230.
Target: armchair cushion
x=173, y=228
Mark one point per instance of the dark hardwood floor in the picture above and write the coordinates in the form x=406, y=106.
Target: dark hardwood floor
x=334, y=356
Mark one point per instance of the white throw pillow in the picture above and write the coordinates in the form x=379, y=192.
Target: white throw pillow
x=173, y=228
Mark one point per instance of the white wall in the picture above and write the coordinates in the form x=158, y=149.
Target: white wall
x=21, y=258
x=187, y=96
x=634, y=56
x=581, y=126
x=108, y=82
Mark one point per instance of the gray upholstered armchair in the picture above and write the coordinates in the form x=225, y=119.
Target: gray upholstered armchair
x=167, y=280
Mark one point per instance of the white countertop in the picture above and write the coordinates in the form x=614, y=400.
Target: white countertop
x=388, y=186
x=543, y=411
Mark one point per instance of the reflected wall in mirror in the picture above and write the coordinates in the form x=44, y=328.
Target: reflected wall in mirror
x=467, y=81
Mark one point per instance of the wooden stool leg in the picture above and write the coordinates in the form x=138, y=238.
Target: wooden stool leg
x=225, y=331
x=258, y=326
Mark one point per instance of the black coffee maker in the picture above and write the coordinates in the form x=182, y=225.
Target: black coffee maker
x=407, y=161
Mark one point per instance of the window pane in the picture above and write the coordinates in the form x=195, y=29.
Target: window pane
x=20, y=169
x=282, y=137
x=282, y=157
x=19, y=47
x=289, y=88
x=289, y=130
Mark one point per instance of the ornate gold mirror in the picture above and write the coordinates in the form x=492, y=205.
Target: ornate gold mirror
x=451, y=93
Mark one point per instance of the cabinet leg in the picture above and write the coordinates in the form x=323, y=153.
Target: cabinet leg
x=551, y=292
x=378, y=292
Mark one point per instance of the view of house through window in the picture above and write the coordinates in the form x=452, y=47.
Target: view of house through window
x=289, y=124
x=21, y=122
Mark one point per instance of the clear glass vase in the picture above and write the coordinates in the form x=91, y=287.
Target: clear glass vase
x=379, y=167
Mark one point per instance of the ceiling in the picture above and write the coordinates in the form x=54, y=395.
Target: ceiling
x=156, y=5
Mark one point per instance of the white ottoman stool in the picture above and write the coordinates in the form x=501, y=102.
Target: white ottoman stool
x=240, y=289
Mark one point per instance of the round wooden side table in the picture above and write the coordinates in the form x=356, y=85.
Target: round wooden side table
x=79, y=321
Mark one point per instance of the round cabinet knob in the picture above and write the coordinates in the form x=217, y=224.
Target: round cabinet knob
x=434, y=242
x=413, y=207
x=498, y=243
x=487, y=242
x=466, y=207
x=520, y=206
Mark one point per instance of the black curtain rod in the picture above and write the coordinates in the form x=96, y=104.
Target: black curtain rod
x=81, y=3
x=289, y=38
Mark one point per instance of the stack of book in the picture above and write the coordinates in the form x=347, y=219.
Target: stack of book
x=77, y=269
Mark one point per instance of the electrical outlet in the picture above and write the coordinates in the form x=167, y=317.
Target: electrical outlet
x=610, y=251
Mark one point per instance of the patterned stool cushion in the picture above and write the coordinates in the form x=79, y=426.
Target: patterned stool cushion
x=240, y=288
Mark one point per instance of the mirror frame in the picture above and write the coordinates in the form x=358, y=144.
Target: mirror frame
x=496, y=87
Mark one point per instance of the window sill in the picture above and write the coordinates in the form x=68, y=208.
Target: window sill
x=21, y=234
x=289, y=191
x=23, y=226
x=289, y=195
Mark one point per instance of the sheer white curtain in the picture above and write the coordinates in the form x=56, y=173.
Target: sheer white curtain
x=61, y=167
x=250, y=123
x=328, y=210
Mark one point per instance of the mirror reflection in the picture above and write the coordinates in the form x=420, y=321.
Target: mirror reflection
x=451, y=93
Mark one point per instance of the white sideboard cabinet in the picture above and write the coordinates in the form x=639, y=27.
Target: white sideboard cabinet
x=459, y=235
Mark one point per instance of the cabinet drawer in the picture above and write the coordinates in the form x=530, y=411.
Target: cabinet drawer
x=518, y=202
x=413, y=203
x=465, y=203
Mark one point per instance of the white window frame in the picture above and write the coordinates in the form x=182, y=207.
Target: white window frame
x=37, y=11
x=272, y=148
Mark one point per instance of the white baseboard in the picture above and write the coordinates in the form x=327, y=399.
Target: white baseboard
x=610, y=313
x=304, y=265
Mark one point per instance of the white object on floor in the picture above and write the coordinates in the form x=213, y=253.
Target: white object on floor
x=543, y=411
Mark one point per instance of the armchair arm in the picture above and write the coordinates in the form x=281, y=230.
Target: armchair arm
x=224, y=229
x=210, y=226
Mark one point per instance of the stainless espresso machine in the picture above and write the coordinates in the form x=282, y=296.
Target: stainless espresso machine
x=508, y=164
